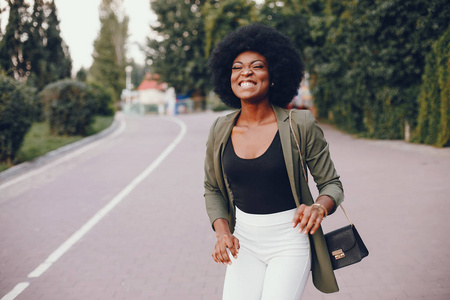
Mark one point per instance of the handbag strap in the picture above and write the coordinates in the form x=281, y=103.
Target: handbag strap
x=303, y=164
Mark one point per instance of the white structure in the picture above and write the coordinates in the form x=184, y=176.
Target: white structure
x=151, y=92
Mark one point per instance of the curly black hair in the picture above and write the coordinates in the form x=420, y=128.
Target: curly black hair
x=286, y=68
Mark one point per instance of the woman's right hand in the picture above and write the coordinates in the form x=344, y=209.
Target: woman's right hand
x=224, y=240
x=220, y=253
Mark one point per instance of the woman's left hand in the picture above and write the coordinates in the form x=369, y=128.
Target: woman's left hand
x=309, y=218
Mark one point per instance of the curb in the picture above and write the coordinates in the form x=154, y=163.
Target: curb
x=54, y=154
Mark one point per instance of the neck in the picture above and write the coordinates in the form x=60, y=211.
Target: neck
x=256, y=113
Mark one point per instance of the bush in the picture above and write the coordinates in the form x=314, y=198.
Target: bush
x=16, y=115
x=367, y=59
x=434, y=116
x=69, y=106
x=103, y=98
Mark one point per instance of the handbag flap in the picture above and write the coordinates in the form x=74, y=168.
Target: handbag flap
x=342, y=238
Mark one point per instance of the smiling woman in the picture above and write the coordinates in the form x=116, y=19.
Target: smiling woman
x=252, y=192
x=250, y=77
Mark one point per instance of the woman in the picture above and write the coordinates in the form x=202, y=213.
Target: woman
x=266, y=223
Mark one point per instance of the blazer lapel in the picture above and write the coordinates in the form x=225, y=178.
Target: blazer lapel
x=222, y=135
x=286, y=144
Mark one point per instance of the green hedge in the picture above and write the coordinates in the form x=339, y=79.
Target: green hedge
x=69, y=106
x=104, y=98
x=16, y=116
x=434, y=101
x=367, y=59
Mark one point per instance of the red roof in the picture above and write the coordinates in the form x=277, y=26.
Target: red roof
x=150, y=84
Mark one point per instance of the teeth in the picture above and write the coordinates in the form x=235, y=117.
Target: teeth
x=246, y=83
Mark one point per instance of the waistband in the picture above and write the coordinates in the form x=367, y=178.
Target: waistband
x=265, y=219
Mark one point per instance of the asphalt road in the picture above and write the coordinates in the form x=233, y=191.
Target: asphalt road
x=123, y=217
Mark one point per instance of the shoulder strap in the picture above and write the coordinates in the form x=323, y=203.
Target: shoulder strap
x=303, y=164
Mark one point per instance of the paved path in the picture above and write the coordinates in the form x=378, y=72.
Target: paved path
x=141, y=231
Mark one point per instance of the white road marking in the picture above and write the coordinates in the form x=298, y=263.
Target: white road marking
x=19, y=288
x=72, y=240
x=64, y=158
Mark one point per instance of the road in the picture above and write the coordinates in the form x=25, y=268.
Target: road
x=123, y=218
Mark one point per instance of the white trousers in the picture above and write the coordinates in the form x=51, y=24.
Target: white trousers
x=274, y=260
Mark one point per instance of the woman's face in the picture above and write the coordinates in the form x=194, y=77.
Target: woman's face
x=250, y=77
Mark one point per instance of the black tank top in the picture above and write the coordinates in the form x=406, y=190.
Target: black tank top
x=259, y=185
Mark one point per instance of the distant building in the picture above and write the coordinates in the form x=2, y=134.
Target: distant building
x=152, y=92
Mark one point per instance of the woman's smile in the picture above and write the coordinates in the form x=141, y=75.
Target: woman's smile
x=250, y=77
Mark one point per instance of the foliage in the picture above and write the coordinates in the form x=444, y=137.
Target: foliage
x=177, y=54
x=187, y=31
x=108, y=67
x=81, y=74
x=58, y=57
x=289, y=17
x=368, y=58
x=69, y=106
x=434, y=115
x=32, y=50
x=365, y=58
x=104, y=99
x=38, y=141
x=16, y=114
x=225, y=16
x=137, y=73
x=11, y=46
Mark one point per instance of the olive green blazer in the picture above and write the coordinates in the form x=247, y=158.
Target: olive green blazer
x=219, y=199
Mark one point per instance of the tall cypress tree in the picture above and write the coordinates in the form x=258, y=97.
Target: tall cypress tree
x=34, y=48
x=12, y=58
x=108, y=67
x=58, y=59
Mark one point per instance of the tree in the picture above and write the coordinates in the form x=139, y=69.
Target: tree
x=34, y=49
x=434, y=98
x=11, y=46
x=109, y=63
x=289, y=17
x=137, y=73
x=224, y=17
x=178, y=53
x=368, y=58
x=81, y=74
x=16, y=115
x=58, y=56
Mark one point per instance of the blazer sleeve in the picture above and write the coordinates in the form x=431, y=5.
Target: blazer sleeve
x=216, y=203
x=320, y=164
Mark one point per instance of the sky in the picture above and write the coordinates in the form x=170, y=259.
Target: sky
x=80, y=25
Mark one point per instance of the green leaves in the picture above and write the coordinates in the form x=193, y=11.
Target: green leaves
x=108, y=67
x=16, y=116
x=367, y=59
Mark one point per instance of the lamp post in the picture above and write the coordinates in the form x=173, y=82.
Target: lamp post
x=128, y=70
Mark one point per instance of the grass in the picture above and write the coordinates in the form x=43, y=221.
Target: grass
x=38, y=141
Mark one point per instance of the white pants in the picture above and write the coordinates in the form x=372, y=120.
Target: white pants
x=274, y=260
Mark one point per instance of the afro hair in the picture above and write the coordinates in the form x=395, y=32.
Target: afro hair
x=286, y=68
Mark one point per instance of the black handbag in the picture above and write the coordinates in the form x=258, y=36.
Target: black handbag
x=345, y=245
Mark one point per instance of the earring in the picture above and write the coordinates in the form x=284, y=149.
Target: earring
x=272, y=84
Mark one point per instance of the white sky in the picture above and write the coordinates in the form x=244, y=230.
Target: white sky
x=80, y=25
